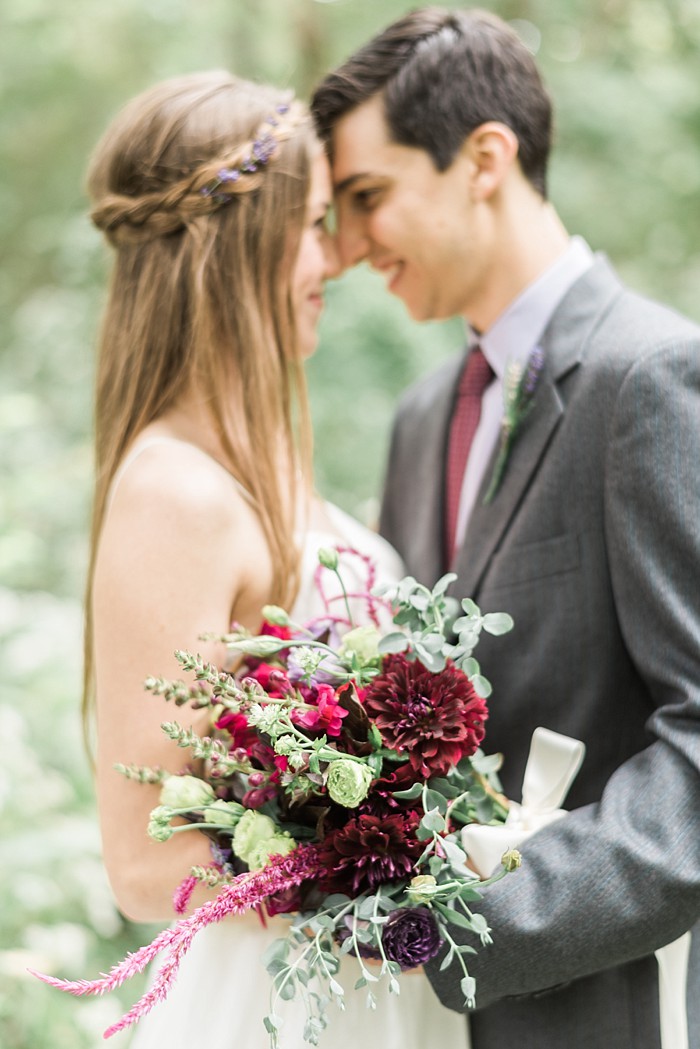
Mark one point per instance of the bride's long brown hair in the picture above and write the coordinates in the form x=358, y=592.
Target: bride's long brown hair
x=200, y=291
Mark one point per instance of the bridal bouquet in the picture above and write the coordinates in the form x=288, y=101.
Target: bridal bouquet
x=342, y=764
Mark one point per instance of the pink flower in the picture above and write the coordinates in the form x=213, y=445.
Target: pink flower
x=242, y=735
x=272, y=679
x=327, y=716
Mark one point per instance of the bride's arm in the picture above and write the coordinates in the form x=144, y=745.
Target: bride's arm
x=181, y=554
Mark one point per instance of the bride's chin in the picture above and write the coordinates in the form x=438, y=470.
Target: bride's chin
x=307, y=345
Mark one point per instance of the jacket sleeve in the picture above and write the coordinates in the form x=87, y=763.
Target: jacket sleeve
x=618, y=879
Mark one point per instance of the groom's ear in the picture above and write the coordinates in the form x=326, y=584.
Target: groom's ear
x=491, y=151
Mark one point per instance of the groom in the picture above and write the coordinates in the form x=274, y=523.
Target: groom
x=439, y=132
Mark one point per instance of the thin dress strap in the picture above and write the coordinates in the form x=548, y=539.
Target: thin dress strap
x=163, y=439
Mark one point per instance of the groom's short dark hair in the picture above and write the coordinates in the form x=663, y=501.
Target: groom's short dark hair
x=442, y=74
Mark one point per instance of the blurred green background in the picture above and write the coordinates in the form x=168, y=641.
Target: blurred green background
x=626, y=174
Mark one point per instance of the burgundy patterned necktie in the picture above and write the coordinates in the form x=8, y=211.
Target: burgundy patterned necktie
x=476, y=376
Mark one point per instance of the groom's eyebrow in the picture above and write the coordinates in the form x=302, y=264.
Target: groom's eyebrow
x=346, y=183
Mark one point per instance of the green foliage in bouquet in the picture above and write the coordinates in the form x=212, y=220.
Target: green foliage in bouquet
x=342, y=763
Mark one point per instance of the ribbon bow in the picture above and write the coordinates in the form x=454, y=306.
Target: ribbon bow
x=552, y=765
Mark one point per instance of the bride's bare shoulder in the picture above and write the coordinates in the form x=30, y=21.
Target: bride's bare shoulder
x=171, y=475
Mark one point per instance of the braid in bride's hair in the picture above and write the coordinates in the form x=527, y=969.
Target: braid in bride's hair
x=200, y=184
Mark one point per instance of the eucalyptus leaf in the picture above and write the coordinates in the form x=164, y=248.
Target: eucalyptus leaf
x=432, y=642
x=410, y=793
x=435, y=866
x=497, y=623
x=278, y=950
x=392, y=643
x=336, y=899
x=454, y=853
x=444, y=787
x=276, y=966
x=420, y=602
x=443, y=583
x=433, y=821
x=482, y=686
x=288, y=990
x=366, y=907
x=432, y=800
x=487, y=764
x=434, y=662
x=470, y=667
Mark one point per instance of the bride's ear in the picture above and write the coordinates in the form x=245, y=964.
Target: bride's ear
x=491, y=151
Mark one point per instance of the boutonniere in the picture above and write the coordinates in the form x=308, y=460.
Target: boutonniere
x=519, y=385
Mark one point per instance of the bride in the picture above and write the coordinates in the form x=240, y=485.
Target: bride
x=214, y=194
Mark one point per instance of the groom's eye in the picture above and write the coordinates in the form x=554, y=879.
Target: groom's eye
x=365, y=199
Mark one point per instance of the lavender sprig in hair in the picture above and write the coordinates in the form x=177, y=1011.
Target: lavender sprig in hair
x=261, y=152
x=519, y=386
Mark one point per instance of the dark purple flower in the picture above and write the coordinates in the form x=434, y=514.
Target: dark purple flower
x=435, y=720
x=368, y=851
x=411, y=937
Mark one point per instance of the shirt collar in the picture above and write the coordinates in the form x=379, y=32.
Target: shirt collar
x=518, y=330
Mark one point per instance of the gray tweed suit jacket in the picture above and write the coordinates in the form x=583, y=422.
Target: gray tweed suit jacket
x=593, y=545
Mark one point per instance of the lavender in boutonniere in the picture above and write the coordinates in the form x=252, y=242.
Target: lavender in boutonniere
x=519, y=386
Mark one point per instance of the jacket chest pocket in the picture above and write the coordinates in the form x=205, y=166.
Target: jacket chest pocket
x=526, y=563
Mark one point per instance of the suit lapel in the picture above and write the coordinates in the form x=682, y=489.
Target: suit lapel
x=564, y=344
x=488, y=523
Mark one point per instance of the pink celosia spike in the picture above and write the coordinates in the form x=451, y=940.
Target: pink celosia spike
x=247, y=891
x=183, y=894
x=135, y=962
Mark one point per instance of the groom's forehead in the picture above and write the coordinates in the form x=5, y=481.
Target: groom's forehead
x=362, y=150
x=359, y=138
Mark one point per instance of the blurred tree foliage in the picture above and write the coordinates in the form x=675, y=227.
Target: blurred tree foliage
x=625, y=174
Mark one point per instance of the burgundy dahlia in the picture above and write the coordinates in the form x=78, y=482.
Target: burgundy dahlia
x=411, y=937
x=368, y=851
x=434, y=719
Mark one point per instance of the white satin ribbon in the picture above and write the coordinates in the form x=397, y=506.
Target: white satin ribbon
x=552, y=766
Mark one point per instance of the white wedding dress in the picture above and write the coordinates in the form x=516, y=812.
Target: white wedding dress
x=222, y=991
